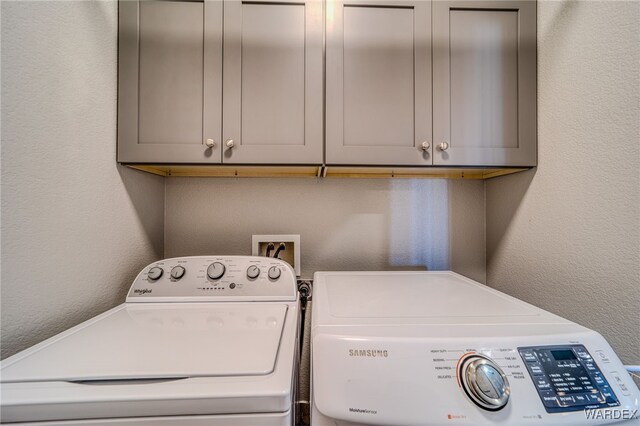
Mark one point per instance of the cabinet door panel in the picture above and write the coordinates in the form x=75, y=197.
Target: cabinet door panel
x=169, y=93
x=273, y=82
x=171, y=72
x=484, y=78
x=378, y=82
x=485, y=83
x=378, y=76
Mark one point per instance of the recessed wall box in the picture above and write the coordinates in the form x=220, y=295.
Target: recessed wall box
x=284, y=247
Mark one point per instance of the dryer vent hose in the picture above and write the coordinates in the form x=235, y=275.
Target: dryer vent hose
x=304, y=373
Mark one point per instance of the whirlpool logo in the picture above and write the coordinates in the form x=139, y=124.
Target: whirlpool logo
x=369, y=353
x=142, y=291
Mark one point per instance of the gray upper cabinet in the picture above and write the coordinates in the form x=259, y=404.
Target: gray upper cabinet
x=170, y=81
x=174, y=92
x=272, y=82
x=341, y=82
x=484, y=83
x=378, y=82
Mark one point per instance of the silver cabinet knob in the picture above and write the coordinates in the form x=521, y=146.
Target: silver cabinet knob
x=229, y=143
x=444, y=146
x=425, y=146
x=210, y=143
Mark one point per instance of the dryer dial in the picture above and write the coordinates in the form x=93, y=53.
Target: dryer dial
x=484, y=382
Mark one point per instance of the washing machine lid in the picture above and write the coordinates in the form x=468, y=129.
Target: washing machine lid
x=158, y=341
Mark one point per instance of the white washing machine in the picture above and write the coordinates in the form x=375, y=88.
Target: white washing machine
x=209, y=340
x=436, y=348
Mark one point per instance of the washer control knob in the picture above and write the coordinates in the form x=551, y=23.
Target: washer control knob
x=274, y=273
x=484, y=382
x=216, y=270
x=177, y=272
x=154, y=273
x=253, y=272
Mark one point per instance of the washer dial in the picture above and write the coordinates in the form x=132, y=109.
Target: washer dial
x=274, y=273
x=484, y=382
x=154, y=273
x=216, y=270
x=253, y=272
x=177, y=272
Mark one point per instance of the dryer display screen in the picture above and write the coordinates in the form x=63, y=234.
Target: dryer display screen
x=563, y=355
x=567, y=378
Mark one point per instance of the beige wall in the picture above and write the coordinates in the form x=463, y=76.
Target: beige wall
x=566, y=237
x=76, y=227
x=344, y=224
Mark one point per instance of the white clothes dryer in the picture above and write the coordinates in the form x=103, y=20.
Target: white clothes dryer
x=436, y=348
x=207, y=340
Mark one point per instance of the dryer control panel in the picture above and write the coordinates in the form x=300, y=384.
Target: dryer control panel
x=215, y=278
x=567, y=378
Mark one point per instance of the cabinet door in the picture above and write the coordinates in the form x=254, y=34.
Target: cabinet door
x=378, y=73
x=484, y=83
x=272, y=82
x=170, y=81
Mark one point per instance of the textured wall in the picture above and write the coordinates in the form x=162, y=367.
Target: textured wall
x=76, y=227
x=566, y=237
x=345, y=224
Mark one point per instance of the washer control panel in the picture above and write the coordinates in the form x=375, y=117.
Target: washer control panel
x=215, y=278
x=567, y=378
